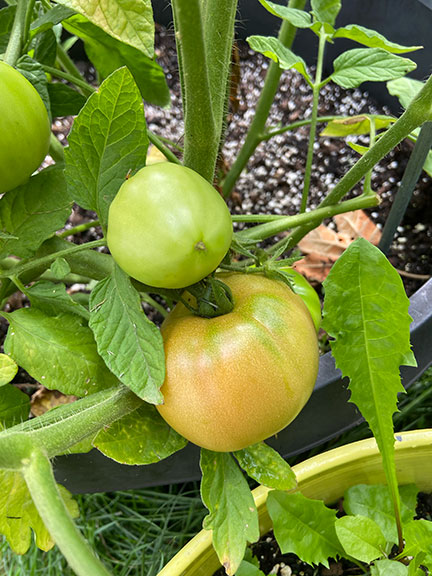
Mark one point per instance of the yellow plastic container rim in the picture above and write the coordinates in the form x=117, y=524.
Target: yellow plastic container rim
x=325, y=477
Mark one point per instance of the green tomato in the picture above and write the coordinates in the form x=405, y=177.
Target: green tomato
x=307, y=293
x=168, y=227
x=24, y=129
x=234, y=380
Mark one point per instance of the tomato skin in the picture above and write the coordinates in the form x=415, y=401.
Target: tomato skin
x=24, y=129
x=168, y=227
x=307, y=293
x=236, y=379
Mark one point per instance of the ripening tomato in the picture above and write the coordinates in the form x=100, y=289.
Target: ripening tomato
x=236, y=379
x=24, y=129
x=168, y=227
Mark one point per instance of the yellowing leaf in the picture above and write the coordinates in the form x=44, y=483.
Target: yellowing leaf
x=18, y=514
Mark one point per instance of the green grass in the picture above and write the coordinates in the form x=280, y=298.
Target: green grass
x=137, y=532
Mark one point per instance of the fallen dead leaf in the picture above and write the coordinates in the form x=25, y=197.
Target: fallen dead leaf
x=323, y=245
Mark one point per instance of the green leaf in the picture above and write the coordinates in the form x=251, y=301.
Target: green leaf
x=233, y=516
x=366, y=315
x=418, y=539
x=360, y=537
x=127, y=340
x=372, y=39
x=58, y=351
x=298, y=18
x=52, y=299
x=60, y=268
x=8, y=369
x=108, y=54
x=374, y=502
x=304, y=527
x=18, y=514
x=405, y=89
x=349, y=125
x=35, y=74
x=248, y=569
x=369, y=65
x=141, y=437
x=14, y=406
x=389, y=568
x=326, y=10
x=129, y=21
x=7, y=16
x=358, y=148
x=274, y=49
x=49, y=19
x=45, y=50
x=107, y=140
x=266, y=466
x=33, y=212
x=64, y=100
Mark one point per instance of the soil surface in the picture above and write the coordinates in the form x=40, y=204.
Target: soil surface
x=272, y=561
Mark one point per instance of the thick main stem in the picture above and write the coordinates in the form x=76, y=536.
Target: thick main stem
x=201, y=139
x=257, y=127
x=18, y=33
x=40, y=481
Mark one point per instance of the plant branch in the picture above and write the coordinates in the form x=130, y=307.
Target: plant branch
x=271, y=84
x=79, y=229
x=313, y=126
x=283, y=223
x=45, y=261
x=86, y=88
x=18, y=32
x=156, y=141
x=56, y=150
x=40, y=481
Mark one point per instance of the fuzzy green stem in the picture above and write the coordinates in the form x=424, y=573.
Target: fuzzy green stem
x=201, y=139
x=40, y=481
x=408, y=183
x=257, y=127
x=314, y=117
x=45, y=261
x=156, y=141
x=86, y=88
x=67, y=63
x=313, y=219
x=79, y=229
x=367, y=188
x=60, y=429
x=56, y=150
x=18, y=32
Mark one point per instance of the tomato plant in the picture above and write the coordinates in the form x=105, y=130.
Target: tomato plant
x=237, y=379
x=24, y=130
x=168, y=227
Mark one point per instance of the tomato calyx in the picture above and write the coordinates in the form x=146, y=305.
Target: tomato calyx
x=208, y=298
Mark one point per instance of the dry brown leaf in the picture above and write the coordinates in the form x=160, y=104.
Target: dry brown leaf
x=44, y=400
x=323, y=246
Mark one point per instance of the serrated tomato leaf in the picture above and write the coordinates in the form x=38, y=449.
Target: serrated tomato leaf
x=57, y=351
x=266, y=466
x=141, y=437
x=130, y=344
x=233, y=516
x=108, y=139
x=14, y=406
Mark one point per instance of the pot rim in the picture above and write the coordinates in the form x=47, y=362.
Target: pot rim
x=311, y=475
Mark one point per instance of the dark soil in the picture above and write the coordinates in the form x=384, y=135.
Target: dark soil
x=272, y=561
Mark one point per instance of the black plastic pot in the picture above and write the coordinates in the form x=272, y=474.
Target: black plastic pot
x=328, y=412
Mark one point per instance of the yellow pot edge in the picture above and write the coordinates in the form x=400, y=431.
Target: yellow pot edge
x=199, y=552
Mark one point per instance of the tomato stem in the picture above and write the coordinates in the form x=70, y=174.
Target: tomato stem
x=286, y=36
x=18, y=32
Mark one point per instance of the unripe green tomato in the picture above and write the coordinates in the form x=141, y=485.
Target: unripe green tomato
x=234, y=380
x=168, y=227
x=307, y=293
x=24, y=129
